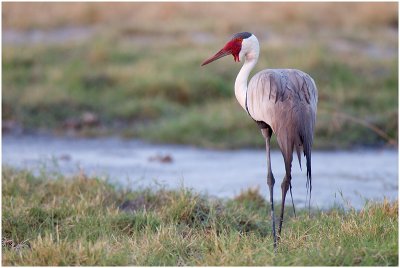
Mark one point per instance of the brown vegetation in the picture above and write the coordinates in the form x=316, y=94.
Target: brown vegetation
x=234, y=15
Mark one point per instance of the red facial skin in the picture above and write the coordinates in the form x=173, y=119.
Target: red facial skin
x=232, y=47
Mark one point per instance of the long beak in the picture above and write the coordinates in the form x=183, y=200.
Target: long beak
x=220, y=54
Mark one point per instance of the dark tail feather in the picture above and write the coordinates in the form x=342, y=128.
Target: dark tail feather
x=307, y=143
x=298, y=153
x=307, y=140
x=308, y=159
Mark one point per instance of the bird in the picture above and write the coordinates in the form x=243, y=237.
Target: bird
x=280, y=101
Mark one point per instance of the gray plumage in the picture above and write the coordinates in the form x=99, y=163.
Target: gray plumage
x=286, y=100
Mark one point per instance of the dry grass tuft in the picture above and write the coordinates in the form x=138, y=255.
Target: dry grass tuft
x=251, y=195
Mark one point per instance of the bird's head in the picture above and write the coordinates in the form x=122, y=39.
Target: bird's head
x=241, y=45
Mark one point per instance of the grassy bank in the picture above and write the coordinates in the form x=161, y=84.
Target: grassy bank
x=52, y=220
x=136, y=70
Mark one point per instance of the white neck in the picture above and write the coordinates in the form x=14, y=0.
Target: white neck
x=241, y=81
x=249, y=52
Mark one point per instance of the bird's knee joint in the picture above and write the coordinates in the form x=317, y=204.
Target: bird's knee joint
x=285, y=184
x=270, y=180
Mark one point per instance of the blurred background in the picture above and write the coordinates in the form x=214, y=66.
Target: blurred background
x=133, y=69
x=79, y=76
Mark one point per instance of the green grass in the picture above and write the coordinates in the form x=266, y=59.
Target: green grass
x=183, y=103
x=145, y=81
x=53, y=220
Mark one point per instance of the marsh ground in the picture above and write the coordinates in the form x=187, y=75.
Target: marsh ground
x=134, y=69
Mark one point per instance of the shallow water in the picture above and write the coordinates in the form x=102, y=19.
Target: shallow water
x=339, y=177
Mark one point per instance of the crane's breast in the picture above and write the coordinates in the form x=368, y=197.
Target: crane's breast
x=276, y=93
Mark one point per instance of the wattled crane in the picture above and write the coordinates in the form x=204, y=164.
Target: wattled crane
x=280, y=101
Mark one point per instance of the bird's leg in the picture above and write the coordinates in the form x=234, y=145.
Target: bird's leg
x=271, y=182
x=291, y=195
x=267, y=132
x=285, y=186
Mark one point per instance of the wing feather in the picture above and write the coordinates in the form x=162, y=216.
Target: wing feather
x=290, y=110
